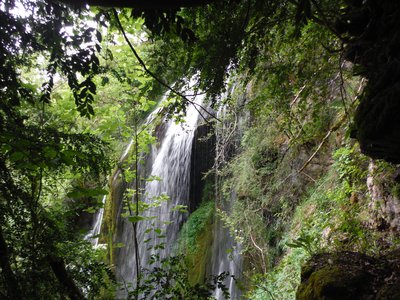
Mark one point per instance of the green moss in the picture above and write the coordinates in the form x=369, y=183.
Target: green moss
x=197, y=260
x=110, y=215
x=195, y=241
x=194, y=227
x=317, y=283
x=350, y=275
x=335, y=282
x=318, y=280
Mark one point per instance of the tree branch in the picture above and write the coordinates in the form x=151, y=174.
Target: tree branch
x=261, y=251
x=141, y=62
x=333, y=129
x=59, y=270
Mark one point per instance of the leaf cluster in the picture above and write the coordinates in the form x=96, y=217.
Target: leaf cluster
x=34, y=155
x=167, y=278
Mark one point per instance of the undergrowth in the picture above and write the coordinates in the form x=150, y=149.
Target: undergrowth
x=332, y=216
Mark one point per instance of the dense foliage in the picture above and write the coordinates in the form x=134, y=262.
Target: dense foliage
x=76, y=83
x=38, y=228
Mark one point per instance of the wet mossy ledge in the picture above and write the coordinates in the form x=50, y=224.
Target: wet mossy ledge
x=195, y=240
x=350, y=275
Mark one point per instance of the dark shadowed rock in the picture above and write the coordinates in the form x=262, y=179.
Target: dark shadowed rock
x=203, y=155
x=350, y=275
x=370, y=30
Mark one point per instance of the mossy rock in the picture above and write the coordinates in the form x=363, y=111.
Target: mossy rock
x=334, y=282
x=197, y=260
x=350, y=275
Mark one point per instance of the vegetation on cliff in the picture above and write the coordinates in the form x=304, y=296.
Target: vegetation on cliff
x=299, y=79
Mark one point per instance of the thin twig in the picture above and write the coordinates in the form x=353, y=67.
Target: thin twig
x=324, y=20
x=141, y=62
x=297, y=96
x=261, y=251
x=333, y=129
x=309, y=177
x=220, y=158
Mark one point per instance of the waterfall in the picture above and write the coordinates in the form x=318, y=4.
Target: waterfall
x=226, y=255
x=93, y=234
x=170, y=161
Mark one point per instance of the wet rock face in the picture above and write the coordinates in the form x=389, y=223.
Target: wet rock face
x=384, y=205
x=350, y=275
x=203, y=154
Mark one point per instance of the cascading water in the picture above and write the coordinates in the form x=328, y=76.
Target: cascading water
x=93, y=234
x=226, y=256
x=170, y=161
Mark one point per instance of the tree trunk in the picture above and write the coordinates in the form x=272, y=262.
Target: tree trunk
x=12, y=289
x=58, y=267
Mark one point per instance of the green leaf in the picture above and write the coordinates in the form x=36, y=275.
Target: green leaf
x=180, y=208
x=98, y=36
x=5, y=148
x=67, y=156
x=91, y=209
x=159, y=246
x=16, y=156
x=118, y=245
x=135, y=219
x=49, y=152
x=104, y=80
x=90, y=109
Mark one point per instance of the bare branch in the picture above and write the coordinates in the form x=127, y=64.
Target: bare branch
x=261, y=251
x=297, y=96
x=141, y=62
x=333, y=129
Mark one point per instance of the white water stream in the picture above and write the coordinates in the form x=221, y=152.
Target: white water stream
x=93, y=234
x=170, y=161
x=226, y=256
